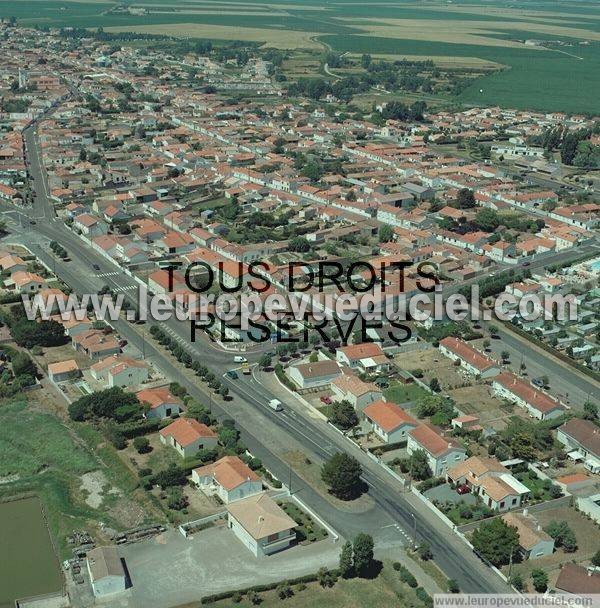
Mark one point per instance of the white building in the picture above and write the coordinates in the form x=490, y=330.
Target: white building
x=442, y=452
x=106, y=571
x=229, y=478
x=389, y=421
x=261, y=525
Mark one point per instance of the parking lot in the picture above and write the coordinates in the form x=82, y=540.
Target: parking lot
x=179, y=570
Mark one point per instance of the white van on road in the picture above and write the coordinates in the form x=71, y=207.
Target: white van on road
x=239, y=359
x=276, y=405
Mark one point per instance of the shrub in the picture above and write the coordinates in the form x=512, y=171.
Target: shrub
x=142, y=445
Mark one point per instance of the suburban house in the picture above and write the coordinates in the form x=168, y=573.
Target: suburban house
x=229, y=478
x=95, y=343
x=161, y=401
x=442, y=452
x=188, y=436
x=578, y=580
x=368, y=357
x=389, y=421
x=261, y=525
x=119, y=370
x=90, y=225
x=310, y=375
x=63, y=370
x=539, y=405
x=352, y=389
x=470, y=359
x=533, y=541
x=26, y=282
x=106, y=571
x=582, y=438
x=491, y=480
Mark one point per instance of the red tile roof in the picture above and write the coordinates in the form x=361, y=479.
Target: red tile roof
x=388, y=416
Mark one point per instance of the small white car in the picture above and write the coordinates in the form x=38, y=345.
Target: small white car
x=276, y=405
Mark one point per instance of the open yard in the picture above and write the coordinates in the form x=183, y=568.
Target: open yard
x=58, y=469
x=586, y=533
x=385, y=590
x=433, y=365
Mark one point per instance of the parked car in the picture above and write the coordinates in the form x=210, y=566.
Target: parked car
x=123, y=343
x=232, y=374
x=95, y=267
x=326, y=399
x=464, y=489
x=239, y=359
x=537, y=382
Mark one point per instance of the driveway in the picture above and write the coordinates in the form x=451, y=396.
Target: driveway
x=169, y=569
x=445, y=493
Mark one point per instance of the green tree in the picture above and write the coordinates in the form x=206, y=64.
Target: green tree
x=453, y=586
x=540, y=580
x=424, y=552
x=141, y=444
x=590, y=411
x=363, y=554
x=386, y=233
x=346, y=561
x=465, y=199
x=563, y=535
x=22, y=364
x=343, y=415
x=496, y=541
x=596, y=558
x=418, y=466
x=299, y=244
x=516, y=580
x=342, y=474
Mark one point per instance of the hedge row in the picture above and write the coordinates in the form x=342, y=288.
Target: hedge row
x=145, y=427
x=308, y=578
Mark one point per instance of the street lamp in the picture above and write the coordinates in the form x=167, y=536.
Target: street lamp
x=414, y=530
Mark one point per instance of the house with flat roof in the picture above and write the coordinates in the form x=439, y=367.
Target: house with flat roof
x=261, y=525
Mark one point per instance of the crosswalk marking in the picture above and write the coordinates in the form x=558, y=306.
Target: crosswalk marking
x=108, y=274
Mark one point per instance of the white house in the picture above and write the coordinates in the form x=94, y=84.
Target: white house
x=539, y=405
x=261, y=525
x=106, y=571
x=533, y=541
x=161, y=401
x=229, y=478
x=470, y=359
x=188, y=436
x=389, y=421
x=310, y=375
x=582, y=437
x=120, y=370
x=63, y=370
x=442, y=452
x=352, y=389
x=90, y=225
x=368, y=357
x=491, y=480
x=26, y=282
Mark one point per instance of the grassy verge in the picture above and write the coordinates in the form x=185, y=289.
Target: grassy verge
x=307, y=530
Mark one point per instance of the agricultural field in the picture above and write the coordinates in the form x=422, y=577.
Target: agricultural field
x=547, y=52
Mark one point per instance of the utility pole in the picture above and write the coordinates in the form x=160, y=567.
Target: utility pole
x=414, y=530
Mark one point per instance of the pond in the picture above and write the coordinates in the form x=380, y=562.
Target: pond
x=28, y=563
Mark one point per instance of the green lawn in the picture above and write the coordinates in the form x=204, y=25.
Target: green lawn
x=401, y=393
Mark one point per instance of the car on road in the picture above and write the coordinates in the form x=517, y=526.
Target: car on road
x=537, y=382
x=32, y=222
x=95, y=267
x=276, y=405
x=232, y=374
x=239, y=359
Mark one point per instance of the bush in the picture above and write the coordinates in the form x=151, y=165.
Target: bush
x=142, y=445
x=407, y=577
x=424, y=596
